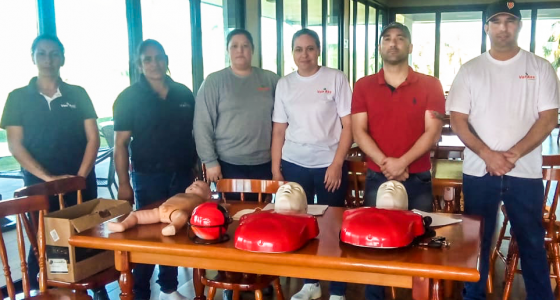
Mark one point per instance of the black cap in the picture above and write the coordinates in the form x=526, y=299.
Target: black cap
x=396, y=25
x=502, y=7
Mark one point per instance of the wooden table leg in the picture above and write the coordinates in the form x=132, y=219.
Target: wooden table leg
x=427, y=289
x=122, y=264
x=198, y=286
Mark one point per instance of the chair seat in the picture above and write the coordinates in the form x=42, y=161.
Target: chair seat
x=53, y=294
x=239, y=281
x=98, y=280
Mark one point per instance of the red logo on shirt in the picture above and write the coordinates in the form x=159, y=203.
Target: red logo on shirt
x=263, y=89
x=527, y=76
x=324, y=91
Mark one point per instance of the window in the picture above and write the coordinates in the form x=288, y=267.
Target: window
x=422, y=28
x=361, y=42
x=96, y=52
x=214, y=53
x=173, y=32
x=268, y=35
x=315, y=22
x=332, y=33
x=380, y=24
x=460, y=39
x=292, y=23
x=372, y=41
x=547, y=42
x=351, y=54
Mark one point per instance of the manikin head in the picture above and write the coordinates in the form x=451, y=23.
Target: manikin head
x=290, y=198
x=199, y=188
x=392, y=195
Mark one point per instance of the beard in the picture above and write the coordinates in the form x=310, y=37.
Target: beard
x=395, y=59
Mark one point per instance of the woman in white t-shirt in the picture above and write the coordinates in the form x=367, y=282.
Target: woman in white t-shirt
x=312, y=133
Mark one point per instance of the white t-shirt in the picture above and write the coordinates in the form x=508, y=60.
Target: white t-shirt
x=503, y=100
x=312, y=106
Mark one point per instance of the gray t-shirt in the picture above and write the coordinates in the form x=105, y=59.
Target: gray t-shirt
x=233, y=117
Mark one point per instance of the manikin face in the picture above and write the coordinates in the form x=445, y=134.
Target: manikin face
x=392, y=195
x=199, y=188
x=290, y=197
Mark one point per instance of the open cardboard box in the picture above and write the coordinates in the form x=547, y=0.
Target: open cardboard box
x=69, y=263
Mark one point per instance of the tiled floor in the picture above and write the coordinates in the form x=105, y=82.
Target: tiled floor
x=289, y=285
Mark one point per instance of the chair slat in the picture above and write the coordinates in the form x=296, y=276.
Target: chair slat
x=42, y=244
x=7, y=273
x=21, y=248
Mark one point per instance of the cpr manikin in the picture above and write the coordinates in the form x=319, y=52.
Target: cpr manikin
x=285, y=229
x=392, y=195
x=175, y=211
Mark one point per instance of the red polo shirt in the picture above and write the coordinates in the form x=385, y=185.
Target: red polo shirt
x=396, y=118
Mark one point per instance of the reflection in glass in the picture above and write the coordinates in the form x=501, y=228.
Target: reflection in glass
x=332, y=33
x=315, y=22
x=423, y=29
x=173, y=32
x=372, y=43
x=547, y=42
x=460, y=37
x=96, y=56
x=17, y=67
x=292, y=23
x=213, y=36
x=361, y=42
x=268, y=35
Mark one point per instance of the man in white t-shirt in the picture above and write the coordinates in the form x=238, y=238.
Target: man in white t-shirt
x=503, y=104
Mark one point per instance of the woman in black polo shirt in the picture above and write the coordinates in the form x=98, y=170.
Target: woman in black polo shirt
x=157, y=114
x=51, y=128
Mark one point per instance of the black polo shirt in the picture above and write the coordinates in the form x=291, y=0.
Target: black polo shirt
x=54, y=136
x=162, y=139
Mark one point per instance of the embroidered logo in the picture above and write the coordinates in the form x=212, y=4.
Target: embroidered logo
x=324, y=91
x=183, y=105
x=510, y=5
x=263, y=89
x=73, y=106
x=527, y=76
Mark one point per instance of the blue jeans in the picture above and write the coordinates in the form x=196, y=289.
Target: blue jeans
x=419, y=189
x=150, y=188
x=313, y=182
x=523, y=200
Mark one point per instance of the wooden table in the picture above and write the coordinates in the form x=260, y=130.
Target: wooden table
x=324, y=258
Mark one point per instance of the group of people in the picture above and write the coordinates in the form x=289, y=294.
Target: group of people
x=249, y=123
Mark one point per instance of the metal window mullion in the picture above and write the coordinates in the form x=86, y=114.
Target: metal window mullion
x=280, y=37
x=46, y=20
x=324, y=14
x=134, y=25
x=437, y=50
x=304, y=9
x=534, y=15
x=355, y=22
x=366, y=61
x=196, y=34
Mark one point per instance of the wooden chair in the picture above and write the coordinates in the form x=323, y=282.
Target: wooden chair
x=551, y=176
x=234, y=281
x=60, y=188
x=253, y=186
x=357, y=170
x=20, y=207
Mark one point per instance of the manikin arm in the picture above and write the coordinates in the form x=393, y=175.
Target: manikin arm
x=136, y=217
x=178, y=220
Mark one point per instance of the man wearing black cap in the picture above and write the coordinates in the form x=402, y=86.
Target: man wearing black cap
x=503, y=104
x=396, y=119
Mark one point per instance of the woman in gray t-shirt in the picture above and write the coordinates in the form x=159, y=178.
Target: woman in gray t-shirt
x=233, y=115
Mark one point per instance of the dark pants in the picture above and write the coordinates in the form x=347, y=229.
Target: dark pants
x=150, y=188
x=313, y=182
x=70, y=199
x=419, y=189
x=523, y=199
x=231, y=171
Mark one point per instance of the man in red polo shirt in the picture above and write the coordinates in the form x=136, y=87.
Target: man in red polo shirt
x=397, y=116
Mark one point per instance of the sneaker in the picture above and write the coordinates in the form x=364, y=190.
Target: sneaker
x=171, y=296
x=333, y=297
x=309, y=291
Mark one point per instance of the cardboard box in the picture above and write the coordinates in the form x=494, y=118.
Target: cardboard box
x=69, y=263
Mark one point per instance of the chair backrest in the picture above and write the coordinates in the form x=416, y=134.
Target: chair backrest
x=357, y=182
x=108, y=131
x=551, y=176
x=55, y=188
x=20, y=207
x=254, y=186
